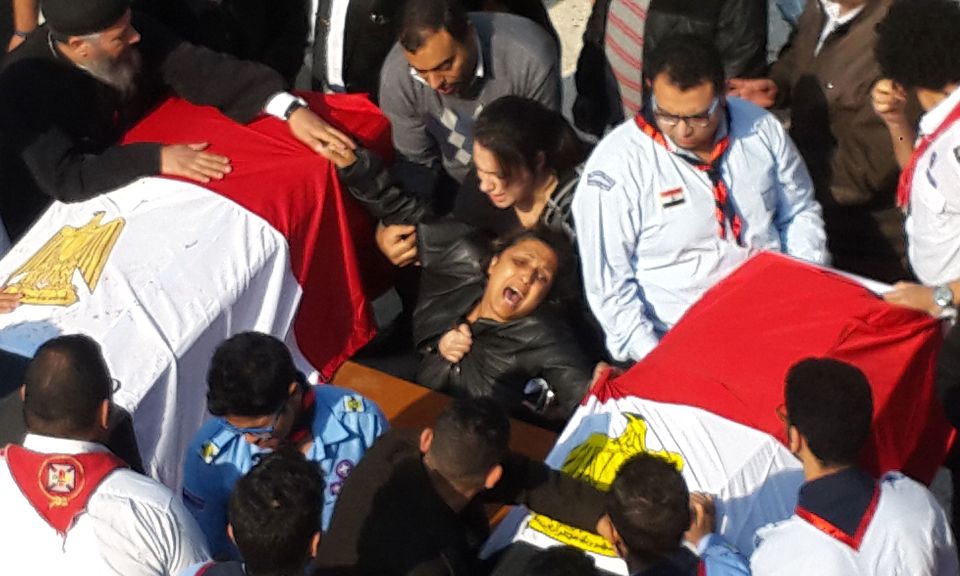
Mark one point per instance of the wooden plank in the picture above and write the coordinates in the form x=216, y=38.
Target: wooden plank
x=407, y=405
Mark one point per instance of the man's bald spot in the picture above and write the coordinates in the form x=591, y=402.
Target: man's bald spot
x=64, y=385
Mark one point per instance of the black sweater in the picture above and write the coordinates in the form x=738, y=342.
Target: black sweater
x=61, y=126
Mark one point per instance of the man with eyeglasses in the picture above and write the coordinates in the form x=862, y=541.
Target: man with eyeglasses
x=846, y=521
x=69, y=504
x=260, y=402
x=677, y=198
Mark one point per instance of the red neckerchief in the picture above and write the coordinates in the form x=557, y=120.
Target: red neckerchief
x=304, y=427
x=905, y=185
x=58, y=486
x=721, y=195
x=830, y=530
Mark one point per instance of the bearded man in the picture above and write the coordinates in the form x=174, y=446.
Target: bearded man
x=79, y=82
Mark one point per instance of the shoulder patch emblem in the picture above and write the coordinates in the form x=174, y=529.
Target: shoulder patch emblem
x=209, y=451
x=352, y=404
x=601, y=180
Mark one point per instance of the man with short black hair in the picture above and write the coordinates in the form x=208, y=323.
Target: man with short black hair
x=675, y=200
x=649, y=515
x=445, y=68
x=69, y=504
x=918, y=48
x=274, y=518
x=847, y=522
x=260, y=403
x=415, y=505
x=79, y=82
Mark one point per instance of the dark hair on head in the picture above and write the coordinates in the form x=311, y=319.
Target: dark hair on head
x=688, y=60
x=250, y=375
x=64, y=386
x=649, y=505
x=831, y=405
x=918, y=43
x=469, y=438
x=420, y=19
x=566, y=271
x=517, y=130
x=560, y=561
x=275, y=510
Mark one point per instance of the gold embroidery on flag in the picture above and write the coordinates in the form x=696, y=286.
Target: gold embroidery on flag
x=47, y=277
x=597, y=461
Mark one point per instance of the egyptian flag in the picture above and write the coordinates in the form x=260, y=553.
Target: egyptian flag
x=161, y=271
x=705, y=399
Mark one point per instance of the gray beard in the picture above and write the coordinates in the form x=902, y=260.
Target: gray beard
x=120, y=74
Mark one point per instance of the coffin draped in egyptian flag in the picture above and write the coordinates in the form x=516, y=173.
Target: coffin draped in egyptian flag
x=706, y=398
x=160, y=271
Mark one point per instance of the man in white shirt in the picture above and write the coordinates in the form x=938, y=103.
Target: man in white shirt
x=677, y=198
x=71, y=506
x=847, y=522
x=918, y=48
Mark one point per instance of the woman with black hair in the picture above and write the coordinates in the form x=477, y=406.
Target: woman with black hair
x=484, y=324
x=527, y=162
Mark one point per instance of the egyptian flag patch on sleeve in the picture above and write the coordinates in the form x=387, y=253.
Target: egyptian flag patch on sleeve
x=672, y=197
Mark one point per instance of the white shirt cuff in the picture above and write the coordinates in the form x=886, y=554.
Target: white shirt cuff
x=278, y=104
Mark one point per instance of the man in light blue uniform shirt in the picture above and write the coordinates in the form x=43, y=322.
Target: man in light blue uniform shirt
x=677, y=198
x=260, y=402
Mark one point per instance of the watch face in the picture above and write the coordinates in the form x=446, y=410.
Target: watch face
x=943, y=296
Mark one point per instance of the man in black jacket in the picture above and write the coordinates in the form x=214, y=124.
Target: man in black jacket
x=78, y=83
x=415, y=505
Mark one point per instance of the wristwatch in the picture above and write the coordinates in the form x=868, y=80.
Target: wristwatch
x=943, y=296
x=293, y=107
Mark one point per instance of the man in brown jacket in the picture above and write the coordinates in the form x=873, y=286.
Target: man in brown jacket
x=824, y=77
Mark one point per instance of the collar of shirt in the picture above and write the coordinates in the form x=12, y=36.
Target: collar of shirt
x=831, y=11
x=935, y=117
x=722, y=130
x=52, y=445
x=478, y=73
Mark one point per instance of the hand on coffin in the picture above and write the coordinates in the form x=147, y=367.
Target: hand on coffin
x=193, y=162
x=913, y=296
x=319, y=136
x=9, y=302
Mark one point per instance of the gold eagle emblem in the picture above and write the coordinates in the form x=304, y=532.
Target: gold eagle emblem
x=47, y=277
x=597, y=461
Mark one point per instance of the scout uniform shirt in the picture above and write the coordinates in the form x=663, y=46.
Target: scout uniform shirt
x=647, y=222
x=343, y=426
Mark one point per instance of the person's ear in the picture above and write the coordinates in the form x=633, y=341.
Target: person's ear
x=103, y=414
x=78, y=45
x=426, y=440
x=293, y=388
x=493, y=262
x=23, y=392
x=609, y=532
x=493, y=476
x=794, y=440
x=230, y=533
x=314, y=544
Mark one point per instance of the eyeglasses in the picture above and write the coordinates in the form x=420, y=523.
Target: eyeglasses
x=260, y=432
x=701, y=120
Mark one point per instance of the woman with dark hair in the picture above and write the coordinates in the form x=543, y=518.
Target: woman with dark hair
x=527, y=161
x=484, y=324
x=527, y=158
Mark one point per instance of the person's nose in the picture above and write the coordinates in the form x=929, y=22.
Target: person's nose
x=435, y=80
x=486, y=185
x=134, y=37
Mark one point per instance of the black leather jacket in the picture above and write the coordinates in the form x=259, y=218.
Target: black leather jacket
x=505, y=356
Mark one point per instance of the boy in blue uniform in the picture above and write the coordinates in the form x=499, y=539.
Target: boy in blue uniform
x=261, y=402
